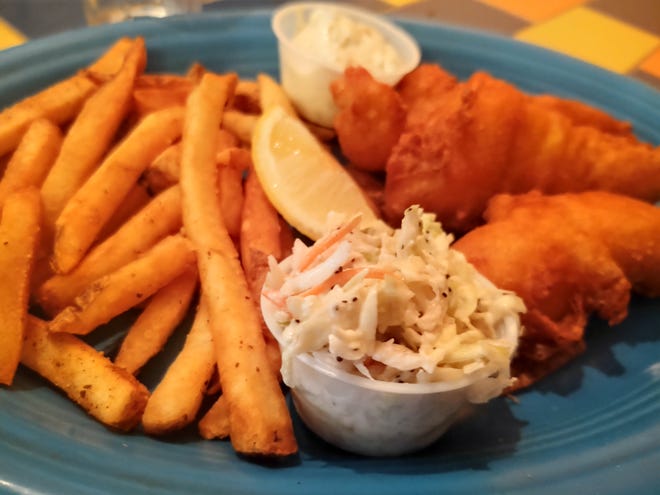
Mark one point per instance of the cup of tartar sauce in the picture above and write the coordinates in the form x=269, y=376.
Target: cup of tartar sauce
x=318, y=40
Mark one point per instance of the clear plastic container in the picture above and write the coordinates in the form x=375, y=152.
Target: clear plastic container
x=306, y=76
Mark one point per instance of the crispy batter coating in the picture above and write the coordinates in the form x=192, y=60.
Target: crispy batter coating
x=469, y=141
x=370, y=119
x=567, y=256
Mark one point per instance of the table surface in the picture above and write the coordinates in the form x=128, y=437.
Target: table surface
x=621, y=36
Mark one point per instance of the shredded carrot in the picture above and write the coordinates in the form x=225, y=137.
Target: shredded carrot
x=322, y=245
x=342, y=277
x=274, y=298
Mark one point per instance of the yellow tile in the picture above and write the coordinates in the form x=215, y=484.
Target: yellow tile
x=400, y=3
x=9, y=36
x=593, y=37
x=535, y=10
x=652, y=64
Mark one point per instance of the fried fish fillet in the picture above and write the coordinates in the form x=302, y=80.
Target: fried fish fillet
x=487, y=137
x=369, y=120
x=567, y=256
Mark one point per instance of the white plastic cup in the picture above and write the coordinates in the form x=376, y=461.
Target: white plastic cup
x=306, y=78
x=110, y=11
x=377, y=418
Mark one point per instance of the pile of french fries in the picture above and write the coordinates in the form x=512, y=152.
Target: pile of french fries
x=126, y=190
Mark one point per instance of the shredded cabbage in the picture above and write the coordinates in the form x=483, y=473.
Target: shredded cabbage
x=392, y=304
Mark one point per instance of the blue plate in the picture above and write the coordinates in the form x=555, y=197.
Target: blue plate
x=592, y=427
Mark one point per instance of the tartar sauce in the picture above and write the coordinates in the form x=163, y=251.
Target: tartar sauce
x=340, y=41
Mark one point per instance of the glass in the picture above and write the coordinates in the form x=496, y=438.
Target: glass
x=108, y=11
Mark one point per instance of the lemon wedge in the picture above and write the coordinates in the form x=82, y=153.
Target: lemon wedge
x=302, y=179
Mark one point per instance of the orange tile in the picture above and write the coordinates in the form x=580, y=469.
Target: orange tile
x=594, y=37
x=9, y=36
x=534, y=10
x=652, y=64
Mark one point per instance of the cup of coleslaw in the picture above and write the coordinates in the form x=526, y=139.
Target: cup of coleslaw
x=318, y=40
x=388, y=336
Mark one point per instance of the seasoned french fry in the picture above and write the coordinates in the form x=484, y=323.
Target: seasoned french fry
x=58, y=103
x=215, y=423
x=89, y=137
x=239, y=124
x=154, y=92
x=163, y=312
x=62, y=101
x=107, y=392
x=136, y=199
x=271, y=94
x=111, y=61
x=123, y=289
x=85, y=214
x=263, y=234
x=260, y=234
x=32, y=159
x=175, y=402
x=246, y=97
x=195, y=72
x=158, y=219
x=259, y=419
x=232, y=163
x=19, y=235
x=163, y=172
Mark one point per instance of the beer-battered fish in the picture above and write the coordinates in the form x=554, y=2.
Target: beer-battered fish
x=449, y=146
x=567, y=256
x=487, y=137
x=370, y=119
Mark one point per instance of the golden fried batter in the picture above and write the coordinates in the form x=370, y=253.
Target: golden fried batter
x=370, y=119
x=466, y=142
x=567, y=256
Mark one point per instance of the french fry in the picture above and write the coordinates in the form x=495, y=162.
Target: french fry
x=195, y=72
x=159, y=218
x=215, y=423
x=175, y=401
x=58, y=103
x=62, y=101
x=111, y=61
x=32, y=159
x=271, y=94
x=163, y=172
x=107, y=392
x=89, y=137
x=262, y=234
x=85, y=214
x=239, y=124
x=259, y=419
x=127, y=287
x=155, y=92
x=136, y=199
x=163, y=312
x=246, y=97
x=19, y=235
x=232, y=163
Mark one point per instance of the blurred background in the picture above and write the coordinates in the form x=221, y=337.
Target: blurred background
x=621, y=36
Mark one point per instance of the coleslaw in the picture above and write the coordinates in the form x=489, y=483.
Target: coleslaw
x=397, y=305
